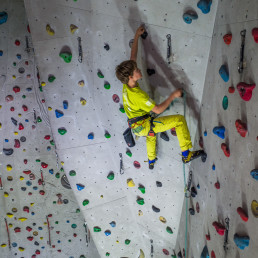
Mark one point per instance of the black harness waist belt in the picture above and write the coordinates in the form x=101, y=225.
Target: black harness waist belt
x=137, y=119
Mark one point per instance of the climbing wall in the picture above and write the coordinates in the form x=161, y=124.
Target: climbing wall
x=226, y=184
x=78, y=45
x=39, y=215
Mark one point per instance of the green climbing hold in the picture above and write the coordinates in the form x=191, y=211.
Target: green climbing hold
x=111, y=176
x=66, y=56
x=107, y=254
x=62, y=169
x=142, y=188
x=85, y=202
x=225, y=103
x=129, y=153
x=37, y=160
x=56, y=222
x=100, y=75
x=107, y=86
x=78, y=210
x=14, y=63
x=127, y=241
x=52, y=142
x=51, y=78
x=74, y=226
x=62, y=131
x=72, y=173
x=122, y=110
x=24, y=96
x=140, y=201
x=39, y=119
x=107, y=135
x=169, y=230
x=97, y=229
x=57, y=175
x=40, y=89
x=81, y=256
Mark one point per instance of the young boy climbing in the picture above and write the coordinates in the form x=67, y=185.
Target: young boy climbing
x=138, y=104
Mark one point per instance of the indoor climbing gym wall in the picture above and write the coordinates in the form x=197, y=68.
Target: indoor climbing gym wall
x=222, y=211
x=39, y=215
x=130, y=210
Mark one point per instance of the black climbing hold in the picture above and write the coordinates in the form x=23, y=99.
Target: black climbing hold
x=164, y=136
x=204, y=157
x=107, y=47
x=150, y=72
x=8, y=152
x=65, y=201
x=144, y=34
x=23, y=188
x=36, y=243
x=191, y=210
x=158, y=184
x=15, y=122
x=193, y=192
x=179, y=255
x=23, y=139
x=155, y=209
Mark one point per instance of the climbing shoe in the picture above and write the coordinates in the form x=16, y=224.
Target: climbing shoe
x=152, y=162
x=194, y=155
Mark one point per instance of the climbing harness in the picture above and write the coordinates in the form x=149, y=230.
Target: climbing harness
x=226, y=234
x=80, y=49
x=121, y=164
x=241, y=63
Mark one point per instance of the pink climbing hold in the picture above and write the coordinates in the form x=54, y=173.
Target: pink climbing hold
x=21, y=127
x=16, y=89
x=241, y=127
x=115, y=98
x=225, y=149
x=17, y=143
x=219, y=228
x=217, y=185
x=245, y=90
x=242, y=214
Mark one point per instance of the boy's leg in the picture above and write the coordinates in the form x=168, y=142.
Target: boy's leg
x=178, y=121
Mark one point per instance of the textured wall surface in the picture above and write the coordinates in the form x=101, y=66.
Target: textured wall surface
x=237, y=187
x=42, y=217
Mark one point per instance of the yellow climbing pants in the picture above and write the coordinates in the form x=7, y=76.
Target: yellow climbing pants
x=162, y=124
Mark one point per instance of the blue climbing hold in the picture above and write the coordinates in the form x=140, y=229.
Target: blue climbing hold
x=241, y=241
x=90, y=136
x=6, y=140
x=48, y=148
x=18, y=56
x=107, y=233
x=1, y=52
x=189, y=17
x=204, y=5
x=3, y=17
x=80, y=187
x=254, y=174
x=28, y=183
x=51, y=171
x=14, y=244
x=65, y=104
x=219, y=131
x=223, y=71
x=59, y=113
x=112, y=224
x=205, y=133
x=35, y=188
x=205, y=252
x=29, y=89
x=213, y=167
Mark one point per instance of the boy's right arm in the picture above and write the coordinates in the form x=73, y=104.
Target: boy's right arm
x=158, y=109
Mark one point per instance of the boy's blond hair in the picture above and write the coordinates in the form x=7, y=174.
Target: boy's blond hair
x=124, y=70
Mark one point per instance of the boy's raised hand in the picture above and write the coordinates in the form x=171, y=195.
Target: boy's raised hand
x=178, y=93
x=140, y=30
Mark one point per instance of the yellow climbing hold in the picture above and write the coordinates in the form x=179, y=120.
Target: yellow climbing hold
x=0, y=125
x=43, y=84
x=21, y=178
x=49, y=30
x=19, y=115
x=14, y=77
x=22, y=219
x=62, y=163
x=140, y=213
x=24, y=150
x=31, y=204
x=73, y=28
x=162, y=219
x=10, y=215
x=130, y=182
x=45, y=223
x=49, y=108
x=9, y=167
x=10, y=225
x=3, y=245
x=21, y=249
x=16, y=133
x=117, y=241
x=81, y=83
x=6, y=194
x=83, y=101
x=41, y=238
x=0, y=106
x=142, y=255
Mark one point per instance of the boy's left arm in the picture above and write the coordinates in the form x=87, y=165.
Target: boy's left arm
x=134, y=50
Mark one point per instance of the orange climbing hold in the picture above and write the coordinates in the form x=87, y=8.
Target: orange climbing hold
x=225, y=149
x=242, y=214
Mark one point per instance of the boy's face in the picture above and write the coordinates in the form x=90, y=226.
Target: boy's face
x=137, y=74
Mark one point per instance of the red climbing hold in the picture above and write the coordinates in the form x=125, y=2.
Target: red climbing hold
x=34, y=256
x=47, y=137
x=242, y=214
x=213, y=254
x=40, y=182
x=58, y=232
x=136, y=164
x=17, y=230
x=44, y=165
x=59, y=250
x=245, y=90
x=50, y=215
x=17, y=42
x=42, y=192
x=28, y=228
x=217, y=185
x=165, y=251
x=16, y=89
x=227, y=38
x=28, y=28
x=17, y=143
x=75, y=235
x=26, y=209
x=25, y=161
x=225, y=149
x=231, y=89
x=37, y=252
x=219, y=228
x=25, y=108
x=241, y=128
x=255, y=34
x=21, y=127
x=30, y=238
x=197, y=207
x=12, y=109
x=208, y=237
x=27, y=172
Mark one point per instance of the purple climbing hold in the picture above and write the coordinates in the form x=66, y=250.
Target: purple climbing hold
x=80, y=187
